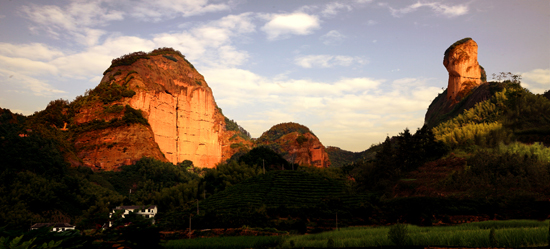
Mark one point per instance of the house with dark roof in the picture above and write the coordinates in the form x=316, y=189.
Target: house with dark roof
x=56, y=227
x=148, y=212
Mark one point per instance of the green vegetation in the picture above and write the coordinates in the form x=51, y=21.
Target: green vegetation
x=131, y=116
x=395, y=158
x=398, y=234
x=231, y=125
x=521, y=233
x=512, y=113
x=340, y=158
x=170, y=58
x=280, y=130
x=294, y=194
x=114, y=108
x=483, y=77
x=129, y=59
x=227, y=242
x=262, y=157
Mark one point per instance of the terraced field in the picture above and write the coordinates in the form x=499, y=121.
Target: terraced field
x=291, y=189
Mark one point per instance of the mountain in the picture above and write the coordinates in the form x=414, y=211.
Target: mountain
x=296, y=143
x=339, y=157
x=152, y=104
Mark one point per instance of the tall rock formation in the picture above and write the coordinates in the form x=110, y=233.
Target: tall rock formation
x=184, y=120
x=465, y=73
x=296, y=143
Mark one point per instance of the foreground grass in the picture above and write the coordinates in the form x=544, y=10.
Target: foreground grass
x=513, y=233
x=236, y=242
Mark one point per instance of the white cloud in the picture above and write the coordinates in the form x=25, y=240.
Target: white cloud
x=536, y=80
x=333, y=8
x=76, y=15
x=282, y=25
x=13, y=80
x=540, y=76
x=26, y=66
x=36, y=51
x=438, y=8
x=76, y=19
x=168, y=9
x=325, y=61
x=350, y=112
x=333, y=37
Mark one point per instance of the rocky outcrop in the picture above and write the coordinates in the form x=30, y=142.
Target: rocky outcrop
x=297, y=144
x=184, y=120
x=108, y=149
x=465, y=73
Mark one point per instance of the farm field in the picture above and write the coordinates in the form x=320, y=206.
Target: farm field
x=511, y=233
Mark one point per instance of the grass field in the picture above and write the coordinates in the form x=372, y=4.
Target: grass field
x=512, y=233
x=236, y=242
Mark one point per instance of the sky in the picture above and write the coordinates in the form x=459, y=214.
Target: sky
x=352, y=71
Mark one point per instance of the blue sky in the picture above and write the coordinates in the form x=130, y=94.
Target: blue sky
x=352, y=71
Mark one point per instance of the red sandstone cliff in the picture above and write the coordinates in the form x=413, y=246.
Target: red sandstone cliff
x=297, y=144
x=184, y=121
x=464, y=71
x=465, y=75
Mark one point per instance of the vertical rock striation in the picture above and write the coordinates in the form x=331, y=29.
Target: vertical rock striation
x=465, y=73
x=178, y=104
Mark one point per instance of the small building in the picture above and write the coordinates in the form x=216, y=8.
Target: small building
x=148, y=212
x=56, y=227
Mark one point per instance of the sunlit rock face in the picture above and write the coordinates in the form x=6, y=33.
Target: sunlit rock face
x=185, y=123
x=297, y=144
x=464, y=70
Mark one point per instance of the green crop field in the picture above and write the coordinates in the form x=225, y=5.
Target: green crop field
x=226, y=242
x=293, y=189
x=512, y=233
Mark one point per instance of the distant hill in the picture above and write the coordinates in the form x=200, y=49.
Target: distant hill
x=339, y=157
x=296, y=143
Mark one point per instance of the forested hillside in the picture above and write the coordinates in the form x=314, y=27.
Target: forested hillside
x=487, y=161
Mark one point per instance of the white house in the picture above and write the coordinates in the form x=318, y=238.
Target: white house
x=148, y=212
x=57, y=227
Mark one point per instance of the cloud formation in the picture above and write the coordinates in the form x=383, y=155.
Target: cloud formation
x=437, y=7
x=345, y=111
x=333, y=8
x=326, y=61
x=333, y=37
x=537, y=80
x=283, y=25
x=168, y=9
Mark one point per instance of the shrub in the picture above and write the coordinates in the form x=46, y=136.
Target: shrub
x=170, y=58
x=398, y=234
x=330, y=243
x=114, y=109
x=492, y=238
x=301, y=139
x=132, y=115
